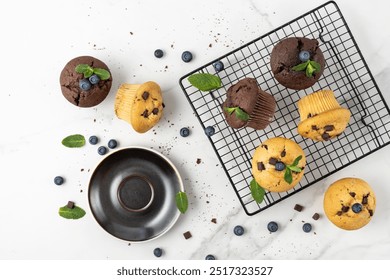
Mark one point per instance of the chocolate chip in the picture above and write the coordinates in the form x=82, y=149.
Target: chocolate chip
x=198, y=161
x=187, y=235
x=214, y=220
x=145, y=113
x=260, y=166
x=316, y=216
x=314, y=127
x=352, y=194
x=325, y=136
x=371, y=212
x=365, y=199
x=309, y=115
x=145, y=95
x=339, y=213
x=344, y=208
x=70, y=204
x=155, y=111
x=298, y=207
x=273, y=161
x=163, y=105
x=265, y=147
x=329, y=127
x=283, y=154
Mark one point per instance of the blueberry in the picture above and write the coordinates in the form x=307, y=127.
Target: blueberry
x=209, y=131
x=112, y=144
x=94, y=79
x=158, y=53
x=306, y=227
x=157, y=252
x=357, y=208
x=279, y=166
x=102, y=150
x=184, y=132
x=238, y=230
x=304, y=56
x=218, y=66
x=93, y=140
x=85, y=84
x=272, y=226
x=186, y=56
x=209, y=258
x=58, y=180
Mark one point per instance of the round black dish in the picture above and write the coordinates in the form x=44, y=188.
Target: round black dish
x=132, y=194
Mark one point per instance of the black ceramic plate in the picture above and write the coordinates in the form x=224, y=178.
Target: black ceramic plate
x=132, y=194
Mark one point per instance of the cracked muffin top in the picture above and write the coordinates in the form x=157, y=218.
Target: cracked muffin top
x=89, y=85
x=297, y=63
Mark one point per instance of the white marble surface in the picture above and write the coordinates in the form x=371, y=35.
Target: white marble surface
x=39, y=37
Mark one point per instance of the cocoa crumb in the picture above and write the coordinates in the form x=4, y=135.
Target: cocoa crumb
x=198, y=161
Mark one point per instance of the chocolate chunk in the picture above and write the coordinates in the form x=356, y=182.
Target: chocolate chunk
x=344, y=208
x=260, y=166
x=325, y=136
x=214, y=220
x=329, y=127
x=163, y=105
x=283, y=153
x=273, y=161
x=352, y=194
x=371, y=212
x=316, y=216
x=314, y=127
x=198, y=161
x=70, y=204
x=155, y=111
x=187, y=235
x=298, y=207
x=309, y=115
x=365, y=199
x=339, y=213
x=265, y=147
x=145, y=95
x=145, y=113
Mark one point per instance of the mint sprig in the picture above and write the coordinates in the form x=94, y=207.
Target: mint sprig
x=182, y=202
x=310, y=67
x=240, y=113
x=292, y=168
x=88, y=71
x=71, y=213
x=205, y=81
x=257, y=191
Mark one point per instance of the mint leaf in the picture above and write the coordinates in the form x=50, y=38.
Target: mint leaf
x=257, y=191
x=294, y=168
x=288, y=176
x=81, y=68
x=71, y=213
x=241, y=114
x=205, y=81
x=296, y=161
x=300, y=67
x=74, y=141
x=310, y=70
x=182, y=202
x=230, y=110
x=88, y=73
x=315, y=65
x=103, y=74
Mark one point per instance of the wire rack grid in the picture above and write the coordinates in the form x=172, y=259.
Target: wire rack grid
x=346, y=73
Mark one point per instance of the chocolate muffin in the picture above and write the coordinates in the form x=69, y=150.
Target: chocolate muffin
x=84, y=88
x=247, y=105
x=297, y=63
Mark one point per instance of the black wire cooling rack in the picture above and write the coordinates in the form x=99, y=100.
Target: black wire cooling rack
x=346, y=73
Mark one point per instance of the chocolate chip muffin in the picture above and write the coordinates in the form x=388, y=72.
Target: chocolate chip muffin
x=349, y=203
x=139, y=105
x=85, y=81
x=297, y=62
x=322, y=118
x=278, y=164
x=247, y=104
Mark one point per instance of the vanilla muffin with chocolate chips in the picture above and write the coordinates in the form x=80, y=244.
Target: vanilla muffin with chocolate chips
x=349, y=203
x=322, y=118
x=139, y=105
x=278, y=164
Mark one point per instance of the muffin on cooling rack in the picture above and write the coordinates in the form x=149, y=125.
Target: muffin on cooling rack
x=322, y=118
x=247, y=104
x=349, y=203
x=297, y=62
x=278, y=164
